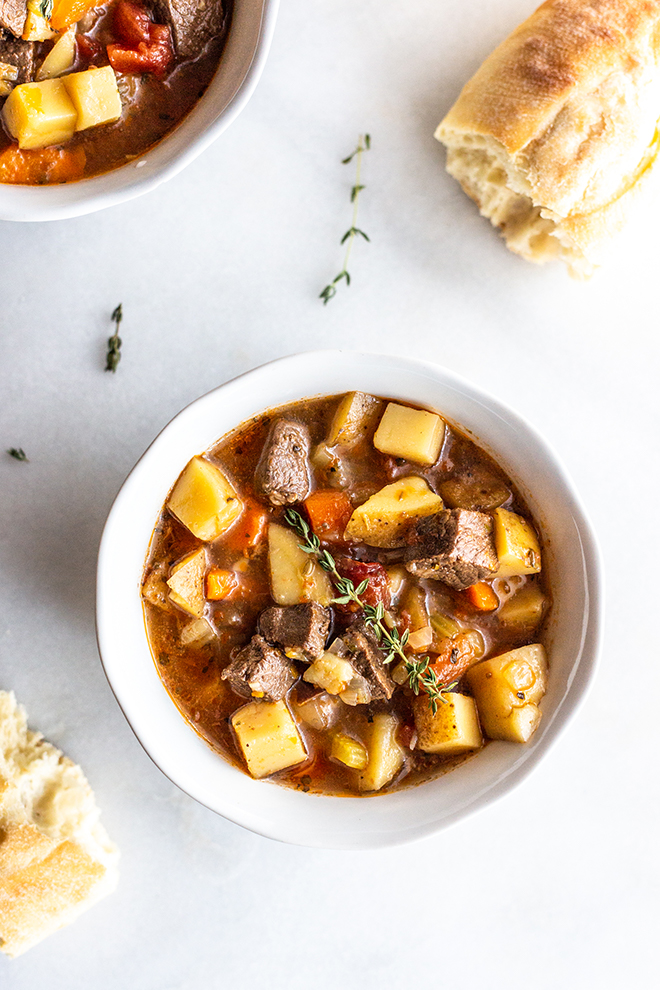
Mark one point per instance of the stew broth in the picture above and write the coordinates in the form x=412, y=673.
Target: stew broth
x=191, y=671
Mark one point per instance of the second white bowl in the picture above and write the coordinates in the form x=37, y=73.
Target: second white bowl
x=241, y=64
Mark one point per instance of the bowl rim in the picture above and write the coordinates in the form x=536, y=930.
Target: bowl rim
x=255, y=25
x=572, y=700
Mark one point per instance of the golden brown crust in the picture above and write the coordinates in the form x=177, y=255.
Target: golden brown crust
x=55, y=857
x=567, y=107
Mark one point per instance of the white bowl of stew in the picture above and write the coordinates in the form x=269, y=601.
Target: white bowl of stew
x=166, y=120
x=305, y=803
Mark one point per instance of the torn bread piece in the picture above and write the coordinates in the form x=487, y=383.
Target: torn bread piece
x=56, y=859
x=555, y=132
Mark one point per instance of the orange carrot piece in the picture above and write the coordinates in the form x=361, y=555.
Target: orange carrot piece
x=66, y=12
x=220, y=584
x=41, y=166
x=329, y=512
x=249, y=530
x=455, y=659
x=482, y=596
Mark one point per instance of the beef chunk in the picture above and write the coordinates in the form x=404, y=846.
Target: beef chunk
x=12, y=17
x=455, y=546
x=193, y=23
x=260, y=671
x=283, y=473
x=366, y=657
x=15, y=51
x=301, y=630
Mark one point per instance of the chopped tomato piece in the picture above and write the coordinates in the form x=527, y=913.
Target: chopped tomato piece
x=90, y=51
x=377, y=590
x=155, y=56
x=250, y=529
x=132, y=23
x=329, y=512
x=42, y=166
x=220, y=584
x=482, y=596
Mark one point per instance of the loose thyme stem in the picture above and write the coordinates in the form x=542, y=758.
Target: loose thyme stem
x=17, y=453
x=113, y=357
x=330, y=291
x=420, y=674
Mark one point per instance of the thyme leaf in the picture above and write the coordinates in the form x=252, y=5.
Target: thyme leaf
x=18, y=454
x=45, y=8
x=421, y=676
x=330, y=291
x=113, y=357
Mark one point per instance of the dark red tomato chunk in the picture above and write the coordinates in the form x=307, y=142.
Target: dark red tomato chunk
x=378, y=589
x=90, y=51
x=132, y=24
x=147, y=46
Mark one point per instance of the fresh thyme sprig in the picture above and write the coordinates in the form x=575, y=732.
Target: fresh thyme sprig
x=113, y=356
x=421, y=677
x=17, y=453
x=330, y=291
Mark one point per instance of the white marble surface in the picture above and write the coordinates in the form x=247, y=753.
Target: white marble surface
x=218, y=271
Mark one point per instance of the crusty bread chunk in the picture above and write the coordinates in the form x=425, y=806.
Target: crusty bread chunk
x=557, y=129
x=55, y=857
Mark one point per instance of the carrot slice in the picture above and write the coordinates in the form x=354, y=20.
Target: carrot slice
x=67, y=12
x=329, y=512
x=249, y=530
x=41, y=166
x=220, y=584
x=482, y=596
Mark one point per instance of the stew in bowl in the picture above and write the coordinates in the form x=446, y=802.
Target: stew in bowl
x=346, y=595
x=194, y=652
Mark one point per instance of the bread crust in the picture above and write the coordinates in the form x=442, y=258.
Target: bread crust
x=55, y=857
x=566, y=107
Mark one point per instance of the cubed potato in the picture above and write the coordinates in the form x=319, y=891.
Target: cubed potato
x=186, y=583
x=348, y=751
x=507, y=690
x=383, y=520
x=95, y=96
x=453, y=729
x=61, y=56
x=414, y=434
x=204, y=500
x=385, y=753
x=516, y=543
x=268, y=737
x=197, y=632
x=525, y=609
x=355, y=416
x=330, y=672
x=39, y=114
x=295, y=576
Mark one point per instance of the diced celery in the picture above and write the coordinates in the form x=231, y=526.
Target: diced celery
x=348, y=751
